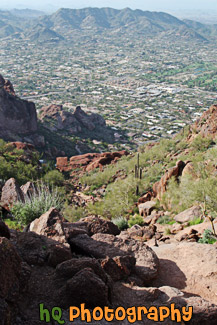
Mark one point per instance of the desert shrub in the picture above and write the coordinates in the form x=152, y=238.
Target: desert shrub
x=12, y=224
x=54, y=178
x=13, y=164
x=167, y=231
x=165, y=220
x=207, y=238
x=135, y=220
x=121, y=222
x=190, y=192
x=120, y=196
x=39, y=202
x=195, y=221
x=73, y=213
x=201, y=144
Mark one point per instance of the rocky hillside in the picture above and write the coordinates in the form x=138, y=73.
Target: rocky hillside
x=56, y=132
x=64, y=23
x=130, y=230
x=164, y=171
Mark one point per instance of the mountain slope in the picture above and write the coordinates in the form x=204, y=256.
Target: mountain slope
x=68, y=22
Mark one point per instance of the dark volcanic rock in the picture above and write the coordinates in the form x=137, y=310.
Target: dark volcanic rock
x=10, y=269
x=40, y=250
x=102, y=246
x=84, y=287
x=4, y=230
x=97, y=225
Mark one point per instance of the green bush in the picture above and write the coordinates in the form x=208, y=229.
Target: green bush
x=135, y=220
x=39, y=202
x=121, y=222
x=207, y=238
x=14, y=164
x=195, y=221
x=54, y=178
x=201, y=144
x=12, y=224
x=165, y=220
x=73, y=213
x=190, y=192
x=120, y=196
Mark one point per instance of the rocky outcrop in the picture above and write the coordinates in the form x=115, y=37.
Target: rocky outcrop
x=17, y=116
x=97, y=225
x=11, y=193
x=206, y=125
x=40, y=250
x=56, y=118
x=189, y=214
x=89, y=161
x=102, y=245
x=160, y=187
x=146, y=208
x=89, y=121
x=50, y=224
x=100, y=270
x=26, y=147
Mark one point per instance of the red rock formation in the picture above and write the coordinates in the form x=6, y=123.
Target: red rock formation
x=22, y=146
x=207, y=124
x=160, y=187
x=89, y=161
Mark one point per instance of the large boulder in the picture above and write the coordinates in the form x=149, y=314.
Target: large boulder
x=56, y=118
x=50, y=224
x=102, y=246
x=189, y=214
x=96, y=225
x=84, y=287
x=28, y=189
x=11, y=193
x=146, y=208
x=82, y=281
x=120, y=267
x=40, y=250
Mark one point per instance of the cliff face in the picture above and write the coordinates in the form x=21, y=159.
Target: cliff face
x=17, y=116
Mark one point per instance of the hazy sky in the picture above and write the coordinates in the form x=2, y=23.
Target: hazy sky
x=134, y=4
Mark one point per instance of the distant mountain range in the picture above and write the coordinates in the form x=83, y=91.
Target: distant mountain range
x=64, y=23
